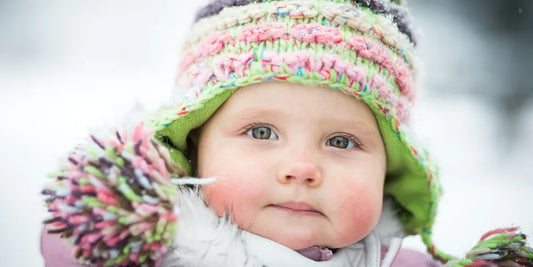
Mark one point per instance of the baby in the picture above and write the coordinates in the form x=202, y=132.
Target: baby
x=299, y=110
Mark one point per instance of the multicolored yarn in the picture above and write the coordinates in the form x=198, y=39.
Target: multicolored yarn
x=350, y=17
x=283, y=43
x=500, y=247
x=399, y=14
x=115, y=202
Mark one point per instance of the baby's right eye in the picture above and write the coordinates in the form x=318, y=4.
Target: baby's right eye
x=261, y=132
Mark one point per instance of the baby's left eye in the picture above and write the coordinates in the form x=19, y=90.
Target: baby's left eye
x=341, y=142
x=261, y=132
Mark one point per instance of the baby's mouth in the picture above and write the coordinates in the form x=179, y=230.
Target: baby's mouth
x=297, y=208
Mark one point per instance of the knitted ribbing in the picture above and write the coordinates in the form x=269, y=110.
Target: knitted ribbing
x=351, y=47
x=399, y=14
x=361, y=19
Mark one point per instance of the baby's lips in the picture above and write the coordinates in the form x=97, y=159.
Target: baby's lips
x=301, y=208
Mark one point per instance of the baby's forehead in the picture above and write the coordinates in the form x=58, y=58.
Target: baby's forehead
x=285, y=101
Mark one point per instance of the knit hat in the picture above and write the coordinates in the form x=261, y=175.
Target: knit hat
x=362, y=48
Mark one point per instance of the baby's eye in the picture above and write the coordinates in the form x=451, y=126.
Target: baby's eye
x=341, y=142
x=261, y=132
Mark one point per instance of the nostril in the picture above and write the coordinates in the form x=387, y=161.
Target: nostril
x=289, y=177
x=301, y=173
x=314, y=181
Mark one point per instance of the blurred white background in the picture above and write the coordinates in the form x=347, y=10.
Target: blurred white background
x=67, y=67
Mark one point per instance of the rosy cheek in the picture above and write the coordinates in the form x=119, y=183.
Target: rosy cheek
x=227, y=197
x=217, y=197
x=358, y=213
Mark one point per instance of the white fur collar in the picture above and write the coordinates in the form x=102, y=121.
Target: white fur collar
x=204, y=239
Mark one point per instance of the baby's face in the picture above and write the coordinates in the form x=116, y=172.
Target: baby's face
x=299, y=165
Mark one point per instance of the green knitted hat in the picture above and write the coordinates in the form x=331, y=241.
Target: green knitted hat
x=363, y=48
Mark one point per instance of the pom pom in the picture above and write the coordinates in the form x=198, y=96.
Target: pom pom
x=500, y=247
x=115, y=201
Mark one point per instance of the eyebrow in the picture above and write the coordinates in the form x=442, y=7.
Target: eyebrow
x=252, y=112
x=358, y=126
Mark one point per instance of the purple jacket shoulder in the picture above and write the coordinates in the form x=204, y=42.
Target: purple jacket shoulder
x=408, y=258
x=56, y=252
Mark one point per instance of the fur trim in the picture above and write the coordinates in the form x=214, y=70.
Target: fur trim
x=204, y=239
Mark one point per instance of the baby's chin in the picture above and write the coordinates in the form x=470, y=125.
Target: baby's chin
x=297, y=241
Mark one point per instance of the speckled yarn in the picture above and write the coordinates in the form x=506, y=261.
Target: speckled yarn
x=398, y=13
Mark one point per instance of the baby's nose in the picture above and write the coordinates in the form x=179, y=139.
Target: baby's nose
x=301, y=172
